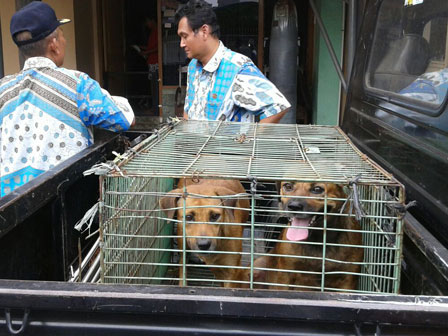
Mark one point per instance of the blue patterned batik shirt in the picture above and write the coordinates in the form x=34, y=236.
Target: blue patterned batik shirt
x=429, y=87
x=45, y=118
x=231, y=85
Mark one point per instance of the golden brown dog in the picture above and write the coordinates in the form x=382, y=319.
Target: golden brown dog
x=203, y=219
x=302, y=218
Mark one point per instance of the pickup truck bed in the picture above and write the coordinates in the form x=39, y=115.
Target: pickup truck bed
x=90, y=309
x=38, y=235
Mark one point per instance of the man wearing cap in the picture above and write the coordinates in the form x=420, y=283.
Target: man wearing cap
x=46, y=112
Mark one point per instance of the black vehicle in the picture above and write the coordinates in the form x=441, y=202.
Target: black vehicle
x=403, y=130
x=397, y=114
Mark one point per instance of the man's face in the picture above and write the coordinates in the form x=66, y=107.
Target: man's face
x=191, y=42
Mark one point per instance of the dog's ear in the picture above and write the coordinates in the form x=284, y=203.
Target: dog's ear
x=227, y=202
x=168, y=202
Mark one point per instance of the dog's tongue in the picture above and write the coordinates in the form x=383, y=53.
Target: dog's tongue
x=297, y=229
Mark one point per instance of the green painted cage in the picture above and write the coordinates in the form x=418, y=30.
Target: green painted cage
x=351, y=240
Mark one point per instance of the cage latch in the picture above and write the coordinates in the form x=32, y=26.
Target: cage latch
x=9, y=326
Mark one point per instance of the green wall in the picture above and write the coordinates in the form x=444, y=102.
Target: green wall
x=326, y=93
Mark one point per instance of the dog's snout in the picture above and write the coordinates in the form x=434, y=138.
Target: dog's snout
x=204, y=244
x=295, y=206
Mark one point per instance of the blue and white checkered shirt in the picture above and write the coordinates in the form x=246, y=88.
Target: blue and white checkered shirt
x=230, y=84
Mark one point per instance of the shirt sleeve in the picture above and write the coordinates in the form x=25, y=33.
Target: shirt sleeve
x=97, y=107
x=253, y=92
x=430, y=87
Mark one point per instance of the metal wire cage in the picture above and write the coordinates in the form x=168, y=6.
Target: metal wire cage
x=145, y=242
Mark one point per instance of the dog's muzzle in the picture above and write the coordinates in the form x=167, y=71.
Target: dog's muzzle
x=204, y=244
x=297, y=207
x=299, y=221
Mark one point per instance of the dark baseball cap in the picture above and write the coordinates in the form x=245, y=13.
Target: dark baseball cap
x=38, y=18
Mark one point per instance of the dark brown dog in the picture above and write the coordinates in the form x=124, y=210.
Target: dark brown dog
x=203, y=227
x=301, y=212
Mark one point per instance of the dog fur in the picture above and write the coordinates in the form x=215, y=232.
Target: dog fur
x=295, y=208
x=213, y=216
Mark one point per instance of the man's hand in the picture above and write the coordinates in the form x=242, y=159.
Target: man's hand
x=275, y=118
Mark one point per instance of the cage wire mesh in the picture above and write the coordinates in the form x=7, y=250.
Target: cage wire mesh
x=145, y=242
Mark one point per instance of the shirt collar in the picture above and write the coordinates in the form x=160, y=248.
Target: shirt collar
x=213, y=64
x=39, y=62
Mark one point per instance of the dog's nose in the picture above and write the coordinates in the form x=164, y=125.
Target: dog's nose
x=295, y=206
x=204, y=243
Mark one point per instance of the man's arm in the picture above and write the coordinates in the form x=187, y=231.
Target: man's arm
x=185, y=115
x=97, y=107
x=275, y=119
x=124, y=106
x=253, y=92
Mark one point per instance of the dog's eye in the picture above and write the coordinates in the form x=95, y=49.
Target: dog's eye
x=189, y=217
x=317, y=190
x=287, y=187
x=214, y=217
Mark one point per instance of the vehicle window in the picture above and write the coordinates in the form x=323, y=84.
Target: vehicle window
x=409, y=55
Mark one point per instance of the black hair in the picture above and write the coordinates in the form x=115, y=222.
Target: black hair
x=199, y=13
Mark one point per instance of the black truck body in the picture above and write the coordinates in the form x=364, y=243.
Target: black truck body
x=38, y=243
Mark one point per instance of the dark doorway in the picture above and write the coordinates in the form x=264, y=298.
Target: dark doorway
x=126, y=68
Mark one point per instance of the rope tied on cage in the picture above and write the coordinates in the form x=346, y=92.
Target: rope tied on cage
x=253, y=184
x=394, y=204
x=103, y=168
x=195, y=175
x=403, y=208
x=241, y=138
x=157, y=134
x=88, y=218
x=171, y=122
x=132, y=150
x=354, y=198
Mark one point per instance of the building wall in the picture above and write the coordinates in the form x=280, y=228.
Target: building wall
x=327, y=89
x=87, y=38
x=63, y=9
x=10, y=52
